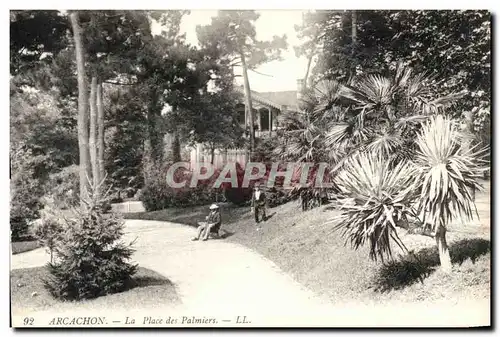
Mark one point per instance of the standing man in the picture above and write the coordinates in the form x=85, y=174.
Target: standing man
x=259, y=203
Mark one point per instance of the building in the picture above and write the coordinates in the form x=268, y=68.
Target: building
x=267, y=107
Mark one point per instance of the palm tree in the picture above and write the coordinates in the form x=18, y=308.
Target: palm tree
x=448, y=170
x=377, y=197
x=384, y=113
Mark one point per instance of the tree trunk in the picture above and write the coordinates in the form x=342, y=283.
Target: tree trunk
x=309, y=61
x=469, y=126
x=172, y=146
x=224, y=157
x=176, y=147
x=93, y=133
x=354, y=30
x=212, y=154
x=248, y=104
x=83, y=133
x=155, y=128
x=100, y=133
x=444, y=252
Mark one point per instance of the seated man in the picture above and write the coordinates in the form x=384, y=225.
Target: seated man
x=213, y=219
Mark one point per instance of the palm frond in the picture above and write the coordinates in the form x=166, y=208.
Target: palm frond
x=406, y=121
x=386, y=145
x=439, y=104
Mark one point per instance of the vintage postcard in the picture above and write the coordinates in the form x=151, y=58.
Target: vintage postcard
x=250, y=168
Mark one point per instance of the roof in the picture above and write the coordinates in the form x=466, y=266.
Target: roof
x=288, y=98
x=277, y=99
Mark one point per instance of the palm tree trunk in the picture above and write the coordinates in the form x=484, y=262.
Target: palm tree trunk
x=100, y=133
x=248, y=103
x=93, y=132
x=444, y=252
x=83, y=132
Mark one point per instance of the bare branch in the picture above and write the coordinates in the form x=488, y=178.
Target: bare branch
x=119, y=83
x=255, y=71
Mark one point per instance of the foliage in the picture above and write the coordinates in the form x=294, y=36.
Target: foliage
x=231, y=37
x=454, y=44
x=264, y=149
x=25, y=191
x=63, y=187
x=36, y=36
x=125, y=132
x=213, y=120
x=37, y=122
x=447, y=173
x=375, y=198
x=233, y=32
x=90, y=260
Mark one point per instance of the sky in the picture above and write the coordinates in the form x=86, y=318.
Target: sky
x=283, y=75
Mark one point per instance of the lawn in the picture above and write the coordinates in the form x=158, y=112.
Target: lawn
x=28, y=293
x=24, y=246
x=302, y=244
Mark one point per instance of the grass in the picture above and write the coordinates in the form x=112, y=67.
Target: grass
x=150, y=290
x=24, y=246
x=303, y=245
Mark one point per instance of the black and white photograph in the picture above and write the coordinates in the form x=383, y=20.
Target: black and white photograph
x=238, y=168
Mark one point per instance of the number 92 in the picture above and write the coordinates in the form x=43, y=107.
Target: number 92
x=28, y=321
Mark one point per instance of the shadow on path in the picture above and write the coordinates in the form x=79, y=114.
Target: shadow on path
x=269, y=216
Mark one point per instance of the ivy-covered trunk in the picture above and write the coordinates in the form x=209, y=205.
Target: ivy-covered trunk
x=444, y=252
x=93, y=133
x=83, y=131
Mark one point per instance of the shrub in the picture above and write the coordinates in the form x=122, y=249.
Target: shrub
x=278, y=197
x=238, y=195
x=157, y=194
x=48, y=229
x=89, y=259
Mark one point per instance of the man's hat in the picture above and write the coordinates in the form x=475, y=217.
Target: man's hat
x=214, y=206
